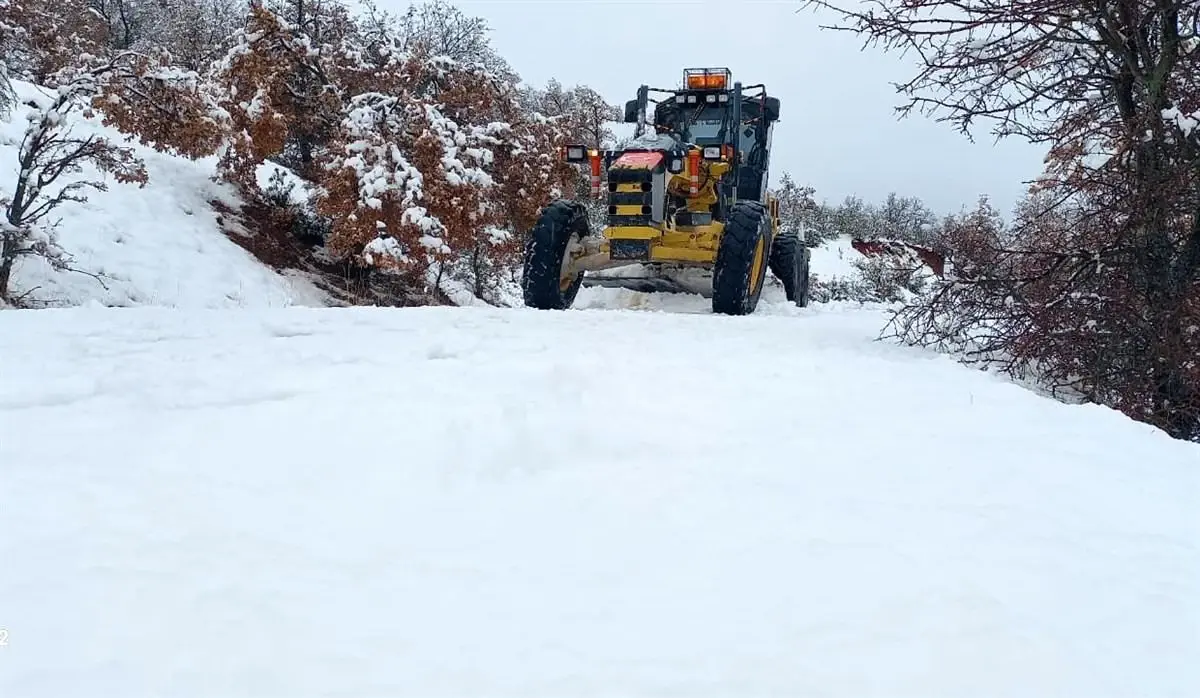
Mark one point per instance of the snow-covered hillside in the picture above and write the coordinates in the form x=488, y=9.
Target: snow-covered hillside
x=454, y=502
x=159, y=245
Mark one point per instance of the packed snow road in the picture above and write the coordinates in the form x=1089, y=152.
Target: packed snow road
x=471, y=502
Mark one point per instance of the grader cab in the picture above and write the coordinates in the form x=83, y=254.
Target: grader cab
x=689, y=192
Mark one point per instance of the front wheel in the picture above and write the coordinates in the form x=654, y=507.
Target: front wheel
x=741, y=265
x=546, y=282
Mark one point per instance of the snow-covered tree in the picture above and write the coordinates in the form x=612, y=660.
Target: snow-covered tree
x=50, y=150
x=581, y=111
x=8, y=97
x=127, y=22
x=438, y=28
x=1097, y=288
x=796, y=206
x=529, y=174
x=407, y=182
x=165, y=107
x=197, y=32
x=906, y=218
x=40, y=38
x=281, y=92
x=424, y=172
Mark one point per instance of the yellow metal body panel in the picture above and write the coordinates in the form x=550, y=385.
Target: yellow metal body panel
x=660, y=253
x=692, y=244
x=632, y=232
x=700, y=236
x=629, y=209
x=629, y=188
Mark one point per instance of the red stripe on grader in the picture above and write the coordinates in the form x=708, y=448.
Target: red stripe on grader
x=638, y=161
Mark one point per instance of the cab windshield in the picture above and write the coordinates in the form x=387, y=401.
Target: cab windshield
x=706, y=132
x=703, y=124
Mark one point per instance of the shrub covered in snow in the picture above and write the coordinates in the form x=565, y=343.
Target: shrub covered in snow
x=417, y=160
x=842, y=273
x=287, y=194
x=877, y=280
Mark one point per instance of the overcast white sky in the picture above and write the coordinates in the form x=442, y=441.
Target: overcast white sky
x=837, y=130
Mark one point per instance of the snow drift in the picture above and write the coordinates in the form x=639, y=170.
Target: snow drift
x=450, y=502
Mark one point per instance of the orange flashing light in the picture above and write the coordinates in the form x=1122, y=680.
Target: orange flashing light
x=706, y=82
x=706, y=79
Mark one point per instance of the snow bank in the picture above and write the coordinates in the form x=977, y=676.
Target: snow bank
x=834, y=259
x=160, y=245
x=451, y=502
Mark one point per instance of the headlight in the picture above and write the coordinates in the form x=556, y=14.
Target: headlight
x=712, y=152
x=576, y=153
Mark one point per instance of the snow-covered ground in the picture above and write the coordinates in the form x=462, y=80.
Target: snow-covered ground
x=160, y=245
x=484, y=502
x=635, y=497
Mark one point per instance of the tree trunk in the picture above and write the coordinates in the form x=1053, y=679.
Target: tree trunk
x=478, y=270
x=6, y=265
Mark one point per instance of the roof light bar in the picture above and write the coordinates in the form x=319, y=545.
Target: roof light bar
x=707, y=78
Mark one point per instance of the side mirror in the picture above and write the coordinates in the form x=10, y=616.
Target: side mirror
x=771, y=109
x=631, y=111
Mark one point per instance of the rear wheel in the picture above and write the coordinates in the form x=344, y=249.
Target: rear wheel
x=741, y=265
x=803, y=297
x=546, y=283
x=789, y=264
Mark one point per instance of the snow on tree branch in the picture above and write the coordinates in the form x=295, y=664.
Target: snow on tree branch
x=165, y=107
x=417, y=176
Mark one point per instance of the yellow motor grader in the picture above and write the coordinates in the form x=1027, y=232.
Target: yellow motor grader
x=690, y=192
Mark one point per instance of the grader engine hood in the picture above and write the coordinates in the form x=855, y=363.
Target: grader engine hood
x=637, y=188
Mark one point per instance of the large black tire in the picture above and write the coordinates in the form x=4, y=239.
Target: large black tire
x=542, y=282
x=789, y=263
x=804, y=297
x=741, y=265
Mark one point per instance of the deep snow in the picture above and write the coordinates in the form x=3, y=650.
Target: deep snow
x=470, y=502
x=160, y=245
